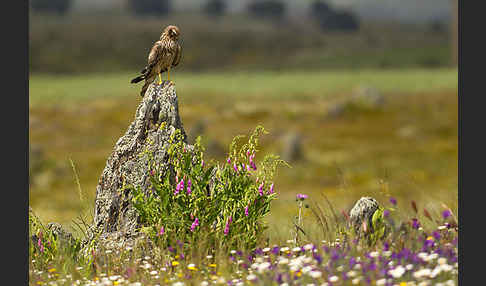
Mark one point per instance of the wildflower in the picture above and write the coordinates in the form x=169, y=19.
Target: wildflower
x=333, y=278
x=251, y=277
x=195, y=224
x=246, y=211
x=229, y=160
x=192, y=267
x=234, y=167
x=446, y=214
x=302, y=197
x=380, y=282
x=51, y=270
x=226, y=228
x=415, y=223
x=212, y=265
x=252, y=163
x=386, y=213
x=414, y=206
x=175, y=263
x=397, y=272
x=271, y=191
x=153, y=272
x=260, y=189
x=189, y=184
x=374, y=254
x=161, y=232
x=393, y=201
x=179, y=187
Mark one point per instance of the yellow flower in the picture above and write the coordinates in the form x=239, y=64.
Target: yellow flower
x=51, y=270
x=298, y=273
x=179, y=275
x=177, y=256
x=212, y=265
x=116, y=283
x=175, y=263
x=430, y=238
x=214, y=277
x=40, y=282
x=192, y=268
x=403, y=283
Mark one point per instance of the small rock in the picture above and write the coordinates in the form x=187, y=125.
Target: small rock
x=363, y=210
x=292, y=147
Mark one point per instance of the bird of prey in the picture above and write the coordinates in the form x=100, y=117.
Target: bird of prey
x=165, y=54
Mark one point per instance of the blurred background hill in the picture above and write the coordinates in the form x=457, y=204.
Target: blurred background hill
x=360, y=96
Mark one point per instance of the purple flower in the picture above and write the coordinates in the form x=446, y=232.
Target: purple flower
x=446, y=214
x=252, y=163
x=386, y=213
x=246, y=211
x=248, y=168
x=415, y=223
x=189, y=184
x=271, y=189
x=302, y=197
x=229, y=160
x=179, y=187
x=194, y=224
x=161, y=231
x=393, y=201
x=260, y=189
x=276, y=250
x=436, y=235
x=234, y=167
x=202, y=163
x=226, y=228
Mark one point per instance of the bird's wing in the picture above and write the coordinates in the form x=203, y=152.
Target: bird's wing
x=155, y=54
x=178, y=56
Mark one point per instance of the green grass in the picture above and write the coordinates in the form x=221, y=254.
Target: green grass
x=288, y=84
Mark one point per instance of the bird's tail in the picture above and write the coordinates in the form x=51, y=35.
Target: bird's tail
x=138, y=78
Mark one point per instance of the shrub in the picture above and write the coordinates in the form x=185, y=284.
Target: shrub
x=267, y=8
x=330, y=19
x=222, y=205
x=215, y=8
x=150, y=7
x=56, y=6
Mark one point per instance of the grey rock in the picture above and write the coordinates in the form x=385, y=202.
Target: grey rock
x=156, y=119
x=368, y=97
x=292, y=147
x=363, y=210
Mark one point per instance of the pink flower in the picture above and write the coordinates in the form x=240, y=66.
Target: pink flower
x=229, y=160
x=252, y=163
x=271, y=189
x=194, y=224
x=179, y=187
x=260, y=189
x=189, y=183
x=226, y=228
x=302, y=197
x=246, y=211
x=234, y=167
x=161, y=231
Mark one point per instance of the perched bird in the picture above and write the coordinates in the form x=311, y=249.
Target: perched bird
x=165, y=54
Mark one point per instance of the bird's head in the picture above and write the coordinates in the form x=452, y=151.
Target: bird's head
x=172, y=31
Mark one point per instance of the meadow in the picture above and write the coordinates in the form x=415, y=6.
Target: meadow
x=407, y=146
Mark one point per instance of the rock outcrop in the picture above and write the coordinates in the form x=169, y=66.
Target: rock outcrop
x=156, y=119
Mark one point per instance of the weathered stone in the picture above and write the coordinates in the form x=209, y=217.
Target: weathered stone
x=292, y=147
x=363, y=210
x=156, y=119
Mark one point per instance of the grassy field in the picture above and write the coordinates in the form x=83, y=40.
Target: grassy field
x=406, y=147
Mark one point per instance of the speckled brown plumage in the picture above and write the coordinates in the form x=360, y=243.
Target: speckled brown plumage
x=165, y=54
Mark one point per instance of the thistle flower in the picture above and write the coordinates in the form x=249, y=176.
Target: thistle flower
x=446, y=214
x=194, y=224
x=246, y=211
x=302, y=197
x=386, y=213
